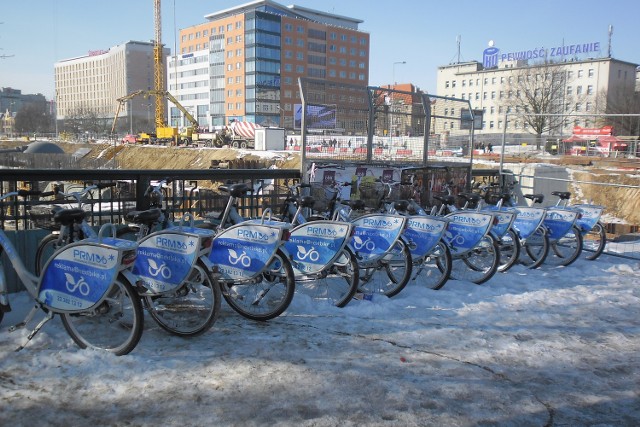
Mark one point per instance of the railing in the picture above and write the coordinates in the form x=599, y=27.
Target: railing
x=193, y=191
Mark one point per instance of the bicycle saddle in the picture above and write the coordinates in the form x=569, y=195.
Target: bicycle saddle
x=67, y=216
x=143, y=217
x=236, y=190
x=564, y=195
x=537, y=198
x=447, y=200
x=470, y=197
x=401, y=205
x=307, y=201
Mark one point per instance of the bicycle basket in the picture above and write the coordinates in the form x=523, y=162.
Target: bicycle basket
x=322, y=196
x=400, y=192
x=370, y=193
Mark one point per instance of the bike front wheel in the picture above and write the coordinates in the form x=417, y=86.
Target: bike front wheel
x=266, y=298
x=390, y=275
x=566, y=249
x=434, y=270
x=536, y=248
x=509, y=246
x=191, y=309
x=479, y=264
x=115, y=325
x=594, y=241
x=337, y=285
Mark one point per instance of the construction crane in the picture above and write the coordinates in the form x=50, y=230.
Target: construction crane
x=158, y=69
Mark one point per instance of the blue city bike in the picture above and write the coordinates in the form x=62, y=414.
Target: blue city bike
x=89, y=284
x=256, y=272
x=594, y=236
x=325, y=267
x=382, y=253
x=174, y=277
x=424, y=234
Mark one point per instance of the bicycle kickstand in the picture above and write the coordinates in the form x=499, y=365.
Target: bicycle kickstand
x=36, y=330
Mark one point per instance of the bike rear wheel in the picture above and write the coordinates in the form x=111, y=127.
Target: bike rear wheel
x=566, y=249
x=390, y=275
x=338, y=285
x=479, y=264
x=536, y=248
x=594, y=241
x=115, y=325
x=190, y=310
x=434, y=270
x=267, y=298
x=509, y=246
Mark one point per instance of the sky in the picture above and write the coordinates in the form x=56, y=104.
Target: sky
x=552, y=346
x=35, y=34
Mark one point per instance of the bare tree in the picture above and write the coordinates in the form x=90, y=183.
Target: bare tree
x=621, y=102
x=85, y=120
x=536, y=92
x=34, y=117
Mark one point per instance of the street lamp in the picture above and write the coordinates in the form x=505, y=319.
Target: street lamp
x=393, y=80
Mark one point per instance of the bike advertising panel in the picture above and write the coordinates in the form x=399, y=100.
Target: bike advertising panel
x=590, y=215
x=78, y=277
x=423, y=233
x=242, y=252
x=315, y=245
x=466, y=229
x=528, y=220
x=559, y=221
x=375, y=235
x=165, y=259
x=505, y=217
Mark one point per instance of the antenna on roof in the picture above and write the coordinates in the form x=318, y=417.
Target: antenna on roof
x=458, y=43
x=610, y=36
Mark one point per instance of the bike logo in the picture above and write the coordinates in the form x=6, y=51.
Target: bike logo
x=162, y=269
x=358, y=243
x=303, y=254
x=242, y=259
x=81, y=285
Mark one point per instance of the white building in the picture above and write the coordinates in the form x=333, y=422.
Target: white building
x=96, y=80
x=487, y=85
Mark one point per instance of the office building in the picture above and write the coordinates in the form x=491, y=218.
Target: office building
x=243, y=63
x=587, y=85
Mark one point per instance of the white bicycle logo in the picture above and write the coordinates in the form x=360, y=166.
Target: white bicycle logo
x=358, y=243
x=312, y=254
x=243, y=258
x=162, y=269
x=81, y=285
x=458, y=239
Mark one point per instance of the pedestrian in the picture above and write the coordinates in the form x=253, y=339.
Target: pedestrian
x=490, y=148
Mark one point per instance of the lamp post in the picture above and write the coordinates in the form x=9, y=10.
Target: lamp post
x=393, y=80
x=130, y=117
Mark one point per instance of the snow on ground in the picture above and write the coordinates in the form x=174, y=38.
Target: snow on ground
x=554, y=346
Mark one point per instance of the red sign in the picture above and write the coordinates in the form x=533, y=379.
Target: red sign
x=605, y=130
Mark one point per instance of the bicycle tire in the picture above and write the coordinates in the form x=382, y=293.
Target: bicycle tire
x=434, y=270
x=509, y=245
x=566, y=249
x=536, y=248
x=479, y=264
x=249, y=298
x=391, y=274
x=115, y=325
x=191, y=309
x=594, y=241
x=45, y=250
x=337, y=285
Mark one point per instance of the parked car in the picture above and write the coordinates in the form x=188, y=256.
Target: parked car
x=457, y=151
x=130, y=139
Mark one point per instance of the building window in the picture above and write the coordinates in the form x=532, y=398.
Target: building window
x=446, y=84
x=579, y=90
x=580, y=72
x=453, y=83
x=569, y=90
x=590, y=72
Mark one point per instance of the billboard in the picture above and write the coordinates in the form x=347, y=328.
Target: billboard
x=317, y=116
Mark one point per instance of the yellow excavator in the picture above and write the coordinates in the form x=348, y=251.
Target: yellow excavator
x=163, y=134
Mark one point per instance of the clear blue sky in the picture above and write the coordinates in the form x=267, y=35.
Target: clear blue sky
x=421, y=32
